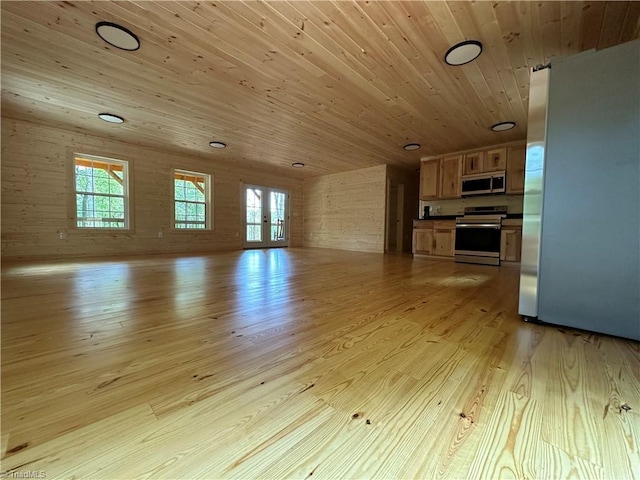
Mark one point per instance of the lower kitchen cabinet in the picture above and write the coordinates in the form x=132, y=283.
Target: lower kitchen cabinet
x=435, y=238
x=423, y=241
x=511, y=240
x=444, y=240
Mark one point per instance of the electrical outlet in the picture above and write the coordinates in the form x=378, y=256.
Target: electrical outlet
x=160, y=234
x=62, y=234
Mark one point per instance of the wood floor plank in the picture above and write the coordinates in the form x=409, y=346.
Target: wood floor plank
x=459, y=426
x=532, y=363
x=572, y=416
x=4, y=441
x=512, y=447
x=52, y=457
x=268, y=364
x=620, y=442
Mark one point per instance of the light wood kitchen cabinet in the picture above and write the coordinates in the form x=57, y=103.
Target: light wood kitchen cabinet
x=473, y=163
x=423, y=241
x=495, y=160
x=511, y=240
x=450, y=173
x=435, y=238
x=515, y=169
x=444, y=239
x=440, y=178
x=430, y=179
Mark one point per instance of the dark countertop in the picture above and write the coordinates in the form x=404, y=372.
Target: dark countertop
x=441, y=217
x=453, y=217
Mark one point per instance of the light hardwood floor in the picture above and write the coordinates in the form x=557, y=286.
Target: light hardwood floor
x=300, y=363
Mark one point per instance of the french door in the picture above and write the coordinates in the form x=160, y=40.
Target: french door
x=266, y=217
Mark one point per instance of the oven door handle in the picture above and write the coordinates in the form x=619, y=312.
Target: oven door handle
x=478, y=225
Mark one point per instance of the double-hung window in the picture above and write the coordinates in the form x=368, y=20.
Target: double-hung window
x=192, y=200
x=101, y=191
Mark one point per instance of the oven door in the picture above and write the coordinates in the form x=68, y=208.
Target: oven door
x=478, y=239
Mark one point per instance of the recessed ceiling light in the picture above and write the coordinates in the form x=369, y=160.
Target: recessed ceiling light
x=118, y=36
x=502, y=126
x=297, y=165
x=217, y=144
x=111, y=118
x=463, y=52
x=411, y=146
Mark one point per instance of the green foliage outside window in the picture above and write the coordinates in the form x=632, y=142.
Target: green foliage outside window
x=100, y=196
x=190, y=201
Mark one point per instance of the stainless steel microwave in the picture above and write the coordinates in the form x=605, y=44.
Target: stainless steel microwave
x=483, y=183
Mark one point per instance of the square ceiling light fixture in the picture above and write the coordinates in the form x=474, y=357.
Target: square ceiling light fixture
x=117, y=36
x=463, y=53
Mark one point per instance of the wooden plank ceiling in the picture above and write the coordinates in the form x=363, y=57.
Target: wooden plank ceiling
x=336, y=85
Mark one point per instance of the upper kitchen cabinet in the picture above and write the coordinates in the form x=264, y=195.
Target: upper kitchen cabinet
x=442, y=178
x=495, y=160
x=430, y=179
x=450, y=173
x=515, y=169
x=473, y=163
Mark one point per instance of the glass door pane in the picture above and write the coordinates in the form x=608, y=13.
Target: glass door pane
x=266, y=218
x=277, y=207
x=254, y=199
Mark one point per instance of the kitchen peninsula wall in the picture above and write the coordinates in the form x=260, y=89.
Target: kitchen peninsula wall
x=349, y=210
x=346, y=210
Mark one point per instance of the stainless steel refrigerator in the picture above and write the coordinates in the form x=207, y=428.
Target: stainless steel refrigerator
x=581, y=224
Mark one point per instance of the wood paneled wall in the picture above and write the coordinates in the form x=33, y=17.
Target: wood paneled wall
x=346, y=210
x=36, y=183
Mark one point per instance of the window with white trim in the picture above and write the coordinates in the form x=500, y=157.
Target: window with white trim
x=192, y=200
x=102, y=192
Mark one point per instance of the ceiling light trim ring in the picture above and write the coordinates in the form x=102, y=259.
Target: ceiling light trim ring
x=297, y=164
x=503, y=126
x=411, y=146
x=462, y=45
x=216, y=144
x=121, y=29
x=110, y=117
